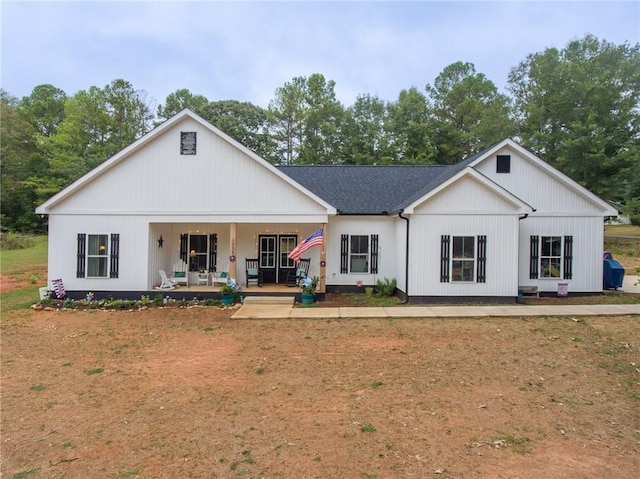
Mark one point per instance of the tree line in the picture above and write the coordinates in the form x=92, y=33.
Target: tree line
x=578, y=108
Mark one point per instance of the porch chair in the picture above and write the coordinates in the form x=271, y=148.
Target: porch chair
x=167, y=283
x=180, y=274
x=302, y=271
x=221, y=276
x=252, y=269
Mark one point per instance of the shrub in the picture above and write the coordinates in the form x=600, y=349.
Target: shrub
x=386, y=287
x=14, y=241
x=158, y=299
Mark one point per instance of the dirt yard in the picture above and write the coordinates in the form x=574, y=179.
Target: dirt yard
x=177, y=393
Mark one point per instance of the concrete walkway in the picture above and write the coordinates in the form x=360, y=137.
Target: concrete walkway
x=282, y=311
x=630, y=284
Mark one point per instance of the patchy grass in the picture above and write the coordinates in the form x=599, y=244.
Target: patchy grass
x=396, y=398
x=23, y=272
x=622, y=230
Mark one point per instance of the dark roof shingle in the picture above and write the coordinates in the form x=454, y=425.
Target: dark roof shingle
x=374, y=190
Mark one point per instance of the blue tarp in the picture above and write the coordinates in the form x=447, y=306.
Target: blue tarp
x=613, y=272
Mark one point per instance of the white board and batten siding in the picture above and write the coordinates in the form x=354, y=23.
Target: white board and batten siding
x=587, y=264
x=219, y=183
x=562, y=208
x=465, y=208
x=133, y=252
x=547, y=190
x=384, y=227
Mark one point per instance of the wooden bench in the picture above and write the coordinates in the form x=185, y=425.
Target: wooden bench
x=529, y=291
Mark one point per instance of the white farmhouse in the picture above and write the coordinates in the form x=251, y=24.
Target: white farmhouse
x=187, y=198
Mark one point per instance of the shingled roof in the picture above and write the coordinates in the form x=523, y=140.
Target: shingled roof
x=367, y=190
x=374, y=190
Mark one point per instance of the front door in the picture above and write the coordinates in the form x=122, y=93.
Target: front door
x=273, y=254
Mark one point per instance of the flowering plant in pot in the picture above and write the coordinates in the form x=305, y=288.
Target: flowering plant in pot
x=308, y=289
x=229, y=290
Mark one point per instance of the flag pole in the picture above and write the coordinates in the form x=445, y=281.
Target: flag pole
x=323, y=260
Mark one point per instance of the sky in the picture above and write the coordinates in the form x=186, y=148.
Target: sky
x=245, y=50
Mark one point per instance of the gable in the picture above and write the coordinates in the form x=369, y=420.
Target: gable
x=468, y=195
x=222, y=177
x=546, y=189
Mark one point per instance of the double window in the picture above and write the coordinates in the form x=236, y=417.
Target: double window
x=359, y=254
x=551, y=257
x=463, y=259
x=98, y=255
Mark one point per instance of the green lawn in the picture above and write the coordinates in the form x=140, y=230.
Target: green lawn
x=24, y=265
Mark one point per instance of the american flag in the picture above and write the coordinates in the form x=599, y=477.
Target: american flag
x=314, y=239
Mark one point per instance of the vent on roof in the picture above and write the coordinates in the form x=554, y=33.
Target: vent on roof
x=503, y=164
x=187, y=142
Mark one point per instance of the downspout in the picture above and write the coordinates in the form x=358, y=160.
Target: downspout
x=406, y=265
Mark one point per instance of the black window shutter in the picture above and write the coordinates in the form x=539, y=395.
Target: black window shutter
x=80, y=265
x=568, y=257
x=213, y=252
x=114, y=255
x=374, y=254
x=184, y=247
x=344, y=254
x=533, y=258
x=481, y=272
x=444, y=258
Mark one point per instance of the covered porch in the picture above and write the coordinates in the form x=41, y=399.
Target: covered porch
x=200, y=255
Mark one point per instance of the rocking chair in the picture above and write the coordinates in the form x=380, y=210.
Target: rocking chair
x=253, y=271
x=302, y=271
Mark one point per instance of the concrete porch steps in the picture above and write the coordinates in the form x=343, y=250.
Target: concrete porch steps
x=269, y=300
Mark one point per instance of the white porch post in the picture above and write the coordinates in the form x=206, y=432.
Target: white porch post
x=232, y=251
x=323, y=261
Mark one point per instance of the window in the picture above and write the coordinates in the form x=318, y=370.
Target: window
x=551, y=257
x=463, y=259
x=199, y=251
x=287, y=245
x=267, y=251
x=187, y=142
x=98, y=255
x=503, y=164
x=359, y=254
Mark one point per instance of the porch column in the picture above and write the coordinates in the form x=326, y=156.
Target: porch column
x=322, y=287
x=232, y=250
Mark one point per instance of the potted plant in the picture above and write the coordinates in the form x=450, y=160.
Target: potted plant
x=228, y=291
x=308, y=289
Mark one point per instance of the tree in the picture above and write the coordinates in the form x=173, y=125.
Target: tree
x=323, y=115
x=179, y=100
x=305, y=120
x=468, y=112
x=286, y=120
x=244, y=122
x=98, y=123
x=579, y=109
x=408, y=122
x=44, y=108
x=366, y=140
x=20, y=160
